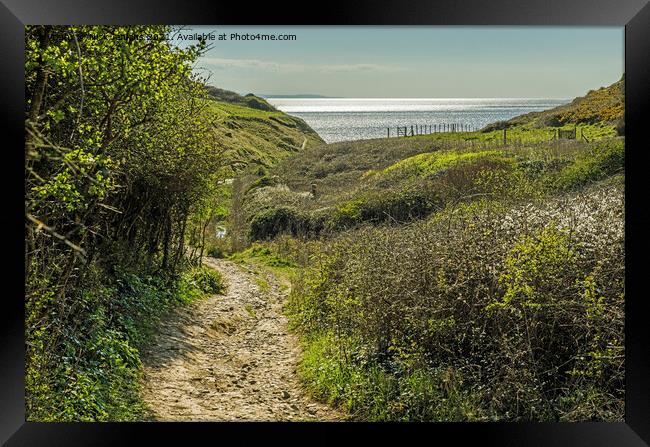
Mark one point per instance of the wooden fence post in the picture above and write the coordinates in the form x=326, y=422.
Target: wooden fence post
x=505, y=141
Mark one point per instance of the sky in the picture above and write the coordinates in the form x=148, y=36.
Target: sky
x=414, y=62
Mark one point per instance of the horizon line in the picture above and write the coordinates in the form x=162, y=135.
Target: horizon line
x=411, y=97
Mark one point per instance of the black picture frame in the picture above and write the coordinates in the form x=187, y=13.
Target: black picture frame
x=633, y=14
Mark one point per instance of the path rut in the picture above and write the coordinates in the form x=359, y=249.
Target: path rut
x=229, y=357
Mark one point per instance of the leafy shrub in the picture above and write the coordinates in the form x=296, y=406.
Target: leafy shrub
x=203, y=279
x=368, y=391
x=216, y=252
x=392, y=207
x=89, y=368
x=275, y=221
x=348, y=214
x=479, y=313
x=606, y=158
x=448, y=178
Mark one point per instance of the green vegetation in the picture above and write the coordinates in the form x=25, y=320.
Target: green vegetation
x=262, y=254
x=250, y=311
x=256, y=135
x=128, y=158
x=452, y=277
x=94, y=372
x=118, y=161
x=432, y=162
x=491, y=312
x=602, y=161
x=418, y=185
x=327, y=188
x=444, y=277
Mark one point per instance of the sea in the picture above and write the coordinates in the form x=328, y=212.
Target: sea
x=346, y=119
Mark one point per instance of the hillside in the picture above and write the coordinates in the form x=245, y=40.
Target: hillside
x=252, y=133
x=605, y=105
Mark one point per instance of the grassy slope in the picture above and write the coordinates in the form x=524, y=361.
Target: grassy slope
x=253, y=137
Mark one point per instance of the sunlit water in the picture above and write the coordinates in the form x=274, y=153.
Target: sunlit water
x=344, y=119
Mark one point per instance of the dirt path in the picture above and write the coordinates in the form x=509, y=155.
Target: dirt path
x=229, y=358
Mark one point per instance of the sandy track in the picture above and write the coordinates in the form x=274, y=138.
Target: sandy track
x=229, y=357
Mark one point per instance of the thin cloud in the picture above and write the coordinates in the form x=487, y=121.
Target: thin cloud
x=256, y=64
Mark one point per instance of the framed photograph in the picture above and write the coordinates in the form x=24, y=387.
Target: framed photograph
x=368, y=217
